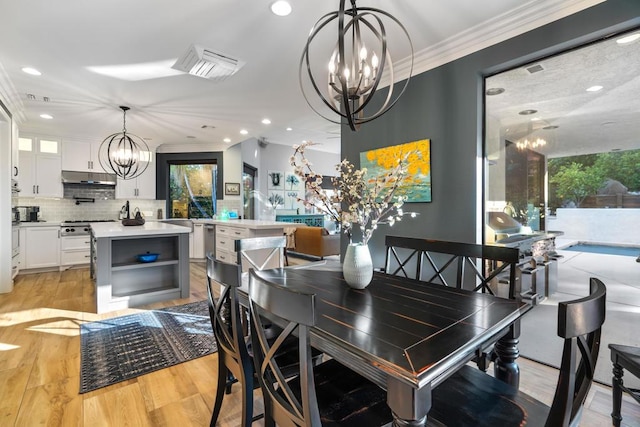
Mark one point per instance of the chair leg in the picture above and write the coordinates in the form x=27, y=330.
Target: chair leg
x=220, y=391
x=231, y=380
x=617, y=383
x=247, y=399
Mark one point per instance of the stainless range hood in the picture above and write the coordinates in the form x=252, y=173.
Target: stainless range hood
x=88, y=178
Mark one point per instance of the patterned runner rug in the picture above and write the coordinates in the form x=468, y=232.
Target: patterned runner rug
x=118, y=349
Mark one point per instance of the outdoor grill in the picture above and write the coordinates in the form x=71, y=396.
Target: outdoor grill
x=508, y=232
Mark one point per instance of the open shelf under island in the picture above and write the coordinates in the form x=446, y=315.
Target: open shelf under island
x=122, y=281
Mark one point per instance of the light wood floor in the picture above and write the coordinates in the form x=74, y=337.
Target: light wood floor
x=40, y=367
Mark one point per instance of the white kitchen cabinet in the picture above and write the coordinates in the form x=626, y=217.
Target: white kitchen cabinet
x=40, y=167
x=80, y=156
x=198, y=241
x=41, y=247
x=74, y=250
x=15, y=166
x=142, y=187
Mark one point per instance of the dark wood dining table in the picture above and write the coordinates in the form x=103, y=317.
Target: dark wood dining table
x=407, y=336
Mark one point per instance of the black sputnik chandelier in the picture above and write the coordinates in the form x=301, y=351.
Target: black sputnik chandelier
x=355, y=66
x=124, y=153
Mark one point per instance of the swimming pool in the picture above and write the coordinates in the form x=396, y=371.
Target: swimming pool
x=604, y=249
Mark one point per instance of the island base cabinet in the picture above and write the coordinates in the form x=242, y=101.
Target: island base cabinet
x=122, y=281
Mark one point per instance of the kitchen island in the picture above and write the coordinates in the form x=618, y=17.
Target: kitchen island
x=123, y=279
x=228, y=231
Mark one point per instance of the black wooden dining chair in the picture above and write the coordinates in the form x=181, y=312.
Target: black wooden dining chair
x=444, y=262
x=234, y=362
x=472, y=398
x=627, y=358
x=328, y=394
x=235, y=358
x=259, y=252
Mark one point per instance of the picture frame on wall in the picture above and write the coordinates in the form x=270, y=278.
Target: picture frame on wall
x=380, y=161
x=276, y=180
x=232, y=188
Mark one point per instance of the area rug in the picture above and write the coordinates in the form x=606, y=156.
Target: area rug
x=126, y=347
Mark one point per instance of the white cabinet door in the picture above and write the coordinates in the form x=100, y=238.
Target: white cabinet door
x=142, y=187
x=80, y=156
x=76, y=156
x=198, y=241
x=15, y=166
x=27, y=176
x=48, y=176
x=126, y=188
x=147, y=183
x=42, y=247
x=40, y=172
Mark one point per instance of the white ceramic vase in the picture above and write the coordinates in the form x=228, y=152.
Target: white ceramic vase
x=357, y=267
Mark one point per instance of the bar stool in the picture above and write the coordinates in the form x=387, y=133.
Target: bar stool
x=623, y=357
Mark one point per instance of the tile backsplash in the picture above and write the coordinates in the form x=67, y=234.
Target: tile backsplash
x=97, y=192
x=56, y=210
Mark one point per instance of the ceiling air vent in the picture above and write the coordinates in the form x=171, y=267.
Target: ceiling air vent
x=207, y=63
x=535, y=69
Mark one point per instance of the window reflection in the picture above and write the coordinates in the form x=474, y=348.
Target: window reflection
x=192, y=190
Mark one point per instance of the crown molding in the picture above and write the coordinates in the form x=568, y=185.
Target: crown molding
x=525, y=18
x=10, y=97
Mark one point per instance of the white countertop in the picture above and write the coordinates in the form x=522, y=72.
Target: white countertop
x=116, y=229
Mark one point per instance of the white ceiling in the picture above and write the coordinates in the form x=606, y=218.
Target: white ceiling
x=67, y=40
x=588, y=122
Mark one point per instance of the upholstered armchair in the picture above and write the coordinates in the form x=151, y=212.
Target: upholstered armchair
x=316, y=241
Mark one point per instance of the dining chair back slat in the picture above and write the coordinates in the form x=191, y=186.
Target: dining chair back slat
x=261, y=252
x=448, y=262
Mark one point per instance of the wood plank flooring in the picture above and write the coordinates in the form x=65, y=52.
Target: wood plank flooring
x=40, y=367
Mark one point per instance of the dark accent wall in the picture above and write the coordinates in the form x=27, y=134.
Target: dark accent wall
x=163, y=160
x=446, y=105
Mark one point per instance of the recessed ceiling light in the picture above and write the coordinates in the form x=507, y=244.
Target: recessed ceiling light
x=46, y=116
x=289, y=129
x=594, y=88
x=32, y=71
x=244, y=132
x=527, y=112
x=281, y=8
x=266, y=121
x=227, y=140
x=550, y=127
x=628, y=39
x=535, y=119
x=494, y=91
x=191, y=137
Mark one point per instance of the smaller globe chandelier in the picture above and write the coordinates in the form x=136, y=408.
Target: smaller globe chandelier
x=525, y=144
x=123, y=153
x=355, y=66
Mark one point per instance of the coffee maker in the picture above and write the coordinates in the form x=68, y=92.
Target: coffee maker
x=29, y=213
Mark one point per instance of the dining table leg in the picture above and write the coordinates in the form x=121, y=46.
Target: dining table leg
x=506, y=367
x=408, y=404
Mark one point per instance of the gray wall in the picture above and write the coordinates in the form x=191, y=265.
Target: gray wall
x=446, y=105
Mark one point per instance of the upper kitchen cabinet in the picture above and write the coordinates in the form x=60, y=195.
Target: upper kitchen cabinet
x=80, y=156
x=142, y=187
x=15, y=167
x=40, y=167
